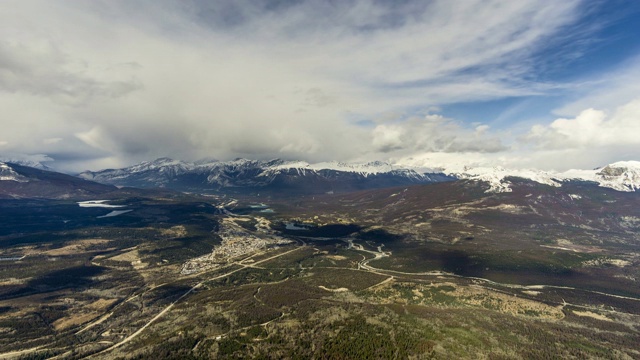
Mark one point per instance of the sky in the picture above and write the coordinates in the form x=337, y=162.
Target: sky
x=553, y=85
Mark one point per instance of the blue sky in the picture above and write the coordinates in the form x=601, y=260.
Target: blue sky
x=532, y=83
x=602, y=40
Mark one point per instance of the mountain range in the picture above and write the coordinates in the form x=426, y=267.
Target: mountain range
x=26, y=182
x=551, y=255
x=302, y=177
x=242, y=175
x=288, y=177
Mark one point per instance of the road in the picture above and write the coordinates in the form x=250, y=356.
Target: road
x=364, y=264
x=17, y=353
x=170, y=306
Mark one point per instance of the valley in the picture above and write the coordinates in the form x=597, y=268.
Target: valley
x=426, y=271
x=312, y=179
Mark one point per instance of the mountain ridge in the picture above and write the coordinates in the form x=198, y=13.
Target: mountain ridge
x=275, y=174
x=239, y=173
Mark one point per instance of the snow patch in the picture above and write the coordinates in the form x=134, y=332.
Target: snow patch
x=620, y=176
x=496, y=176
x=364, y=169
x=8, y=174
x=113, y=213
x=97, y=203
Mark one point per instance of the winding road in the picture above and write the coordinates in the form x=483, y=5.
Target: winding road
x=364, y=264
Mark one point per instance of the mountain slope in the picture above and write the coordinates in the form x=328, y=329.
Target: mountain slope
x=17, y=181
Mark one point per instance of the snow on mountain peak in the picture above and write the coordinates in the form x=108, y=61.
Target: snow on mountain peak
x=24, y=162
x=496, y=176
x=8, y=174
x=369, y=168
x=631, y=164
x=362, y=168
x=621, y=176
x=160, y=163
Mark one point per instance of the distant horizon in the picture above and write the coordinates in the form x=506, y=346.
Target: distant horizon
x=205, y=160
x=527, y=84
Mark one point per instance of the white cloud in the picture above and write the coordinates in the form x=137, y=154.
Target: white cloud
x=41, y=69
x=591, y=129
x=569, y=133
x=593, y=138
x=444, y=160
x=481, y=129
x=51, y=141
x=389, y=137
x=433, y=133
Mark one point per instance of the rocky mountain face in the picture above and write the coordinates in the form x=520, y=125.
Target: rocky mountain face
x=623, y=176
x=244, y=175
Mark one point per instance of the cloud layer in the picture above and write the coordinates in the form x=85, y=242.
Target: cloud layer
x=109, y=83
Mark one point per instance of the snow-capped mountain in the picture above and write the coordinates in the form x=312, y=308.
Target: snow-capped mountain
x=294, y=176
x=24, y=162
x=303, y=177
x=364, y=169
x=18, y=181
x=497, y=177
x=158, y=172
x=8, y=174
x=620, y=176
